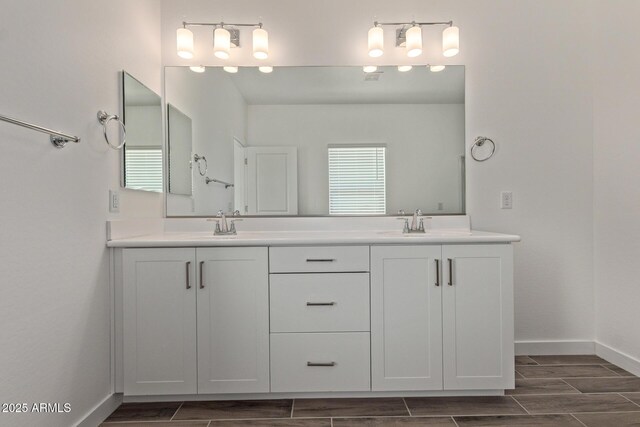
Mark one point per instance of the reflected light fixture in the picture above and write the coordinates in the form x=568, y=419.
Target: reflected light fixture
x=370, y=68
x=265, y=68
x=409, y=35
x=375, y=41
x=436, y=68
x=404, y=68
x=197, y=68
x=184, y=41
x=225, y=37
x=230, y=69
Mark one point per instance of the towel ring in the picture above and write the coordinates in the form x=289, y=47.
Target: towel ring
x=104, y=119
x=479, y=142
x=197, y=159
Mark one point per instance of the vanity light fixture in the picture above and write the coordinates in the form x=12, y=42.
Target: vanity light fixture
x=225, y=36
x=413, y=41
x=436, y=68
x=265, y=69
x=230, y=69
x=184, y=39
x=375, y=41
x=409, y=35
x=404, y=68
x=197, y=68
x=222, y=43
x=370, y=68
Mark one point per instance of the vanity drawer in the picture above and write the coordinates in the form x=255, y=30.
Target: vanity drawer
x=320, y=362
x=331, y=302
x=318, y=259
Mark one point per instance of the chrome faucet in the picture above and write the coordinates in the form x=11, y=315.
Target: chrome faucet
x=222, y=228
x=417, y=223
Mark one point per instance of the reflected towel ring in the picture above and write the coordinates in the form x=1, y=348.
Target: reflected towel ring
x=479, y=142
x=104, y=119
x=197, y=158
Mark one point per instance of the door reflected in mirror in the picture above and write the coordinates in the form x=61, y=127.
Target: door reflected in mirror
x=142, y=153
x=319, y=141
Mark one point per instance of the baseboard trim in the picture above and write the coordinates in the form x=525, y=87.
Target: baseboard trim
x=618, y=358
x=541, y=348
x=100, y=413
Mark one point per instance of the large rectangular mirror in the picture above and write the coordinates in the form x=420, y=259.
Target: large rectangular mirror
x=142, y=152
x=320, y=141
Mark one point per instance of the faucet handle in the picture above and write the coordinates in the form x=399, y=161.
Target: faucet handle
x=401, y=212
x=220, y=213
x=419, y=212
x=236, y=213
x=405, y=229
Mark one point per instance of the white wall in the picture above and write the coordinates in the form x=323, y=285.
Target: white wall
x=617, y=175
x=218, y=114
x=528, y=87
x=424, y=145
x=61, y=63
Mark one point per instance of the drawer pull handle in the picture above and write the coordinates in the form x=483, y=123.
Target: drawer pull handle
x=201, y=275
x=321, y=364
x=320, y=260
x=188, y=268
x=450, y=272
x=437, y=272
x=314, y=304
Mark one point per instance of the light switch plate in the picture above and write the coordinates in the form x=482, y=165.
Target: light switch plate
x=114, y=201
x=506, y=200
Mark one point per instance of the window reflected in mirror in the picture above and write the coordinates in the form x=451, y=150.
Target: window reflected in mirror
x=142, y=153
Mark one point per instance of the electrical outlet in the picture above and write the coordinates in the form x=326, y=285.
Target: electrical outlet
x=506, y=200
x=114, y=201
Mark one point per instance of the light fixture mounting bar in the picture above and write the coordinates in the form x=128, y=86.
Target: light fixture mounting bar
x=218, y=24
x=380, y=24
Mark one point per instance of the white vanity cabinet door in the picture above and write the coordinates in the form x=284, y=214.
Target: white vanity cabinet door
x=159, y=321
x=406, y=318
x=233, y=320
x=478, y=317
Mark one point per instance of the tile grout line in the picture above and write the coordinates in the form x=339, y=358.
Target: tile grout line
x=293, y=403
x=611, y=370
x=176, y=413
x=578, y=420
x=520, y=404
x=564, y=381
x=620, y=393
x=407, y=406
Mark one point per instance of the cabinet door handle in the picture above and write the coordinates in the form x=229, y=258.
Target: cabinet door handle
x=313, y=304
x=201, y=275
x=188, y=265
x=321, y=363
x=320, y=260
x=437, y=272
x=450, y=272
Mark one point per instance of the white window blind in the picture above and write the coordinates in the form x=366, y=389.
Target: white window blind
x=143, y=168
x=357, y=180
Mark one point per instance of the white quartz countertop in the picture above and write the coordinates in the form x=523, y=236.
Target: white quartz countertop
x=281, y=238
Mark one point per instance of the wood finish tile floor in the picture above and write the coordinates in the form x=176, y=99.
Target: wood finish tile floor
x=551, y=391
